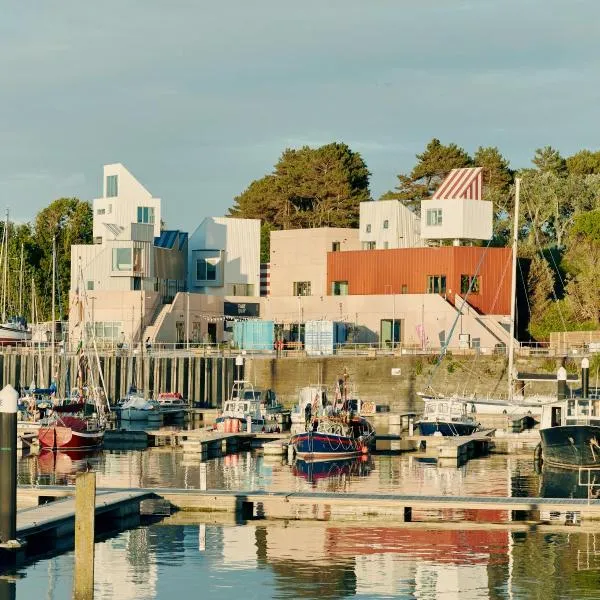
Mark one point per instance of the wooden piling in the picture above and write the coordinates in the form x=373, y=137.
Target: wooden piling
x=85, y=508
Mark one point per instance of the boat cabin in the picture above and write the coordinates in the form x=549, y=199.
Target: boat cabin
x=446, y=409
x=572, y=411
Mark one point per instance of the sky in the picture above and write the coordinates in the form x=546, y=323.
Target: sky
x=199, y=98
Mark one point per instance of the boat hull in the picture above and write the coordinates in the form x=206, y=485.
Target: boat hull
x=571, y=446
x=136, y=414
x=446, y=428
x=314, y=445
x=58, y=437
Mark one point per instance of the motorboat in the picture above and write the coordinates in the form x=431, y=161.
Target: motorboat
x=447, y=416
x=242, y=408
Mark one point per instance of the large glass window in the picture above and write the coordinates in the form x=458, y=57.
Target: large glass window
x=104, y=330
x=339, y=288
x=386, y=224
x=145, y=214
x=205, y=270
x=112, y=186
x=469, y=282
x=434, y=216
x=368, y=245
x=436, y=284
x=301, y=288
x=121, y=259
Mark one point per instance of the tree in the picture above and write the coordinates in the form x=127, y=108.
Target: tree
x=549, y=160
x=497, y=175
x=310, y=187
x=433, y=165
x=540, y=286
x=584, y=162
x=581, y=262
x=70, y=221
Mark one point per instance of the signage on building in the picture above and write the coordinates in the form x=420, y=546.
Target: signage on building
x=241, y=309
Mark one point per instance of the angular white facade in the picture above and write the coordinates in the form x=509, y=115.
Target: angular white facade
x=224, y=257
x=131, y=269
x=456, y=219
x=388, y=224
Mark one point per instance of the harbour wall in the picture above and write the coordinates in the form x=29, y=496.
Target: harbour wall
x=385, y=379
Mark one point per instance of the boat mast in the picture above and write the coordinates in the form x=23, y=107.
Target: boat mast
x=21, y=284
x=513, y=291
x=5, y=274
x=53, y=331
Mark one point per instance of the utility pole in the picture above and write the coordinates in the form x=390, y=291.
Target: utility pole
x=513, y=291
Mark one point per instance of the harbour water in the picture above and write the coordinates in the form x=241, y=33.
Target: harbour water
x=191, y=554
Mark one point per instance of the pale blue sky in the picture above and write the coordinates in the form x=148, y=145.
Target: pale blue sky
x=199, y=98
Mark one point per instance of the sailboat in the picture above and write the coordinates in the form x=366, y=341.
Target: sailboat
x=13, y=329
x=69, y=425
x=455, y=412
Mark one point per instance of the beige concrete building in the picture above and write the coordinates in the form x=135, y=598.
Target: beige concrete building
x=298, y=264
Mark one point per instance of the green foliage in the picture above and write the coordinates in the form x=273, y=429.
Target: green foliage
x=584, y=162
x=587, y=225
x=433, y=165
x=418, y=366
x=70, y=220
x=549, y=160
x=265, y=241
x=309, y=187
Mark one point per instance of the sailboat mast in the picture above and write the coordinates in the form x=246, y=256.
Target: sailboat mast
x=21, y=284
x=5, y=274
x=513, y=291
x=53, y=330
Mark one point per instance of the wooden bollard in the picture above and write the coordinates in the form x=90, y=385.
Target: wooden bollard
x=85, y=511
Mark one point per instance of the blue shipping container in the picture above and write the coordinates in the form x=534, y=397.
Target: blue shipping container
x=254, y=335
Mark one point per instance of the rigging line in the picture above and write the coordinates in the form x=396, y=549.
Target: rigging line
x=458, y=314
x=493, y=306
x=524, y=287
x=537, y=241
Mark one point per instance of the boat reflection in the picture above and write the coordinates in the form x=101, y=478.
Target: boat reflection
x=62, y=465
x=569, y=483
x=312, y=471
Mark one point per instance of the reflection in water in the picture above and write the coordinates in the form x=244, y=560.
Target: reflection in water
x=569, y=483
x=334, y=470
x=318, y=560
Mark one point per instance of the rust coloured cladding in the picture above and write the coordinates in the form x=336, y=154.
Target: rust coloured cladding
x=406, y=270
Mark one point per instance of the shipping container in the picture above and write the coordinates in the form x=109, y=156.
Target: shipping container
x=254, y=335
x=321, y=337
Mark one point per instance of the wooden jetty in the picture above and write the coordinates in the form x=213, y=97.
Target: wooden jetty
x=325, y=506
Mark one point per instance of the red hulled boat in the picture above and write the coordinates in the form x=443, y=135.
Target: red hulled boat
x=71, y=433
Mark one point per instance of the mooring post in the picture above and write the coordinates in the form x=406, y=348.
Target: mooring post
x=585, y=378
x=10, y=546
x=8, y=589
x=85, y=511
x=561, y=383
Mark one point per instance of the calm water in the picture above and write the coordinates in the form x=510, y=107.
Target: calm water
x=165, y=467
x=329, y=561
x=322, y=560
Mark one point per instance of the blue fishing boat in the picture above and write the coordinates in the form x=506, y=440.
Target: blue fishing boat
x=358, y=466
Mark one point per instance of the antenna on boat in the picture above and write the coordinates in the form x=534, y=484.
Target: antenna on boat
x=513, y=291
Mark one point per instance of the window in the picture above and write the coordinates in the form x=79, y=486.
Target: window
x=386, y=245
x=137, y=260
x=436, y=284
x=368, y=229
x=90, y=285
x=98, y=240
x=100, y=211
x=105, y=330
x=122, y=259
x=301, y=288
x=368, y=245
x=434, y=216
x=112, y=186
x=206, y=270
x=335, y=247
x=386, y=224
x=404, y=289
x=145, y=214
x=339, y=288
x=469, y=282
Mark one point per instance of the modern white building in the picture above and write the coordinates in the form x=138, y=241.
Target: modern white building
x=298, y=264
x=456, y=211
x=132, y=268
x=388, y=224
x=224, y=257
